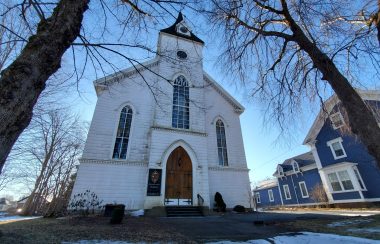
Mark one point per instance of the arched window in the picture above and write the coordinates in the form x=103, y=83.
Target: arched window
x=122, y=136
x=180, y=116
x=221, y=141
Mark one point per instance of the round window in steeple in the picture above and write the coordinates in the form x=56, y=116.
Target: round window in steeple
x=181, y=54
x=183, y=29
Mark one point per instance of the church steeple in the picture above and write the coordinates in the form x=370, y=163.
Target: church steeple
x=181, y=29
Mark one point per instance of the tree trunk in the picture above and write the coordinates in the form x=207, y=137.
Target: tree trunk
x=24, y=80
x=361, y=118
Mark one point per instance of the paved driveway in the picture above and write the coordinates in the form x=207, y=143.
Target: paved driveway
x=237, y=227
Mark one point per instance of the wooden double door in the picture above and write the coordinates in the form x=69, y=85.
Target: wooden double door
x=179, y=178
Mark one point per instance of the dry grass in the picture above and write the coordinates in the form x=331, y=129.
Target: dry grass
x=90, y=228
x=360, y=224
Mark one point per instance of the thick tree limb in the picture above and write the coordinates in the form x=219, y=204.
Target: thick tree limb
x=24, y=80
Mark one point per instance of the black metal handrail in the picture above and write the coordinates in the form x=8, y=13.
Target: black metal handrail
x=200, y=200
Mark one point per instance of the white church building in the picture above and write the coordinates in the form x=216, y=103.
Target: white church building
x=165, y=133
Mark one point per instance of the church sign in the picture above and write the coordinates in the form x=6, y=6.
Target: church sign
x=154, y=182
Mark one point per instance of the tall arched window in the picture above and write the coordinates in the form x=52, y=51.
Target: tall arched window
x=221, y=141
x=180, y=116
x=122, y=136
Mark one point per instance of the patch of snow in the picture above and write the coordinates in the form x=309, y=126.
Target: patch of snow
x=355, y=215
x=95, y=242
x=137, y=213
x=17, y=218
x=349, y=222
x=306, y=237
x=367, y=230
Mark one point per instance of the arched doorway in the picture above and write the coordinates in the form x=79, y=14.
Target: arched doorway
x=179, y=178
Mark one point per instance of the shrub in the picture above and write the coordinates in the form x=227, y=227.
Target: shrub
x=84, y=202
x=318, y=194
x=221, y=206
x=239, y=209
x=117, y=214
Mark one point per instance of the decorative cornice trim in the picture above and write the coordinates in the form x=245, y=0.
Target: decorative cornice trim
x=218, y=168
x=113, y=161
x=183, y=131
x=128, y=72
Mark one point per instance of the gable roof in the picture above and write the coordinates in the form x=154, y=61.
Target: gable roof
x=329, y=105
x=102, y=83
x=172, y=31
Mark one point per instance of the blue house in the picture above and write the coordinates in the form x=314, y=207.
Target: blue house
x=338, y=166
x=348, y=172
x=296, y=180
x=267, y=194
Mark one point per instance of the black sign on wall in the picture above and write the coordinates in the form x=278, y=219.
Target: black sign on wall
x=154, y=182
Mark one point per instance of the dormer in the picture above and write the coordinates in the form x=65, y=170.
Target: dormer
x=296, y=167
x=280, y=171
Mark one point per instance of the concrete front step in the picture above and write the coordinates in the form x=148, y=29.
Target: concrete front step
x=183, y=211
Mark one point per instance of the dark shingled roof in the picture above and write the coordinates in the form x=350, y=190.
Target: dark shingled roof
x=172, y=31
x=302, y=160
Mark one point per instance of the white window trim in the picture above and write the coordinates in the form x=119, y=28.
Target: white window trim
x=307, y=192
x=340, y=140
x=269, y=195
x=258, y=199
x=360, y=178
x=341, y=118
x=290, y=195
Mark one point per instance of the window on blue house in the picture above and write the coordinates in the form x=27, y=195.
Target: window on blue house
x=303, y=189
x=345, y=179
x=180, y=115
x=337, y=149
x=340, y=181
x=270, y=195
x=280, y=170
x=287, y=192
x=122, y=135
x=296, y=167
x=258, y=200
x=221, y=143
x=337, y=120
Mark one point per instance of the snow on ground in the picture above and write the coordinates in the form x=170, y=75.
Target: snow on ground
x=306, y=237
x=349, y=222
x=302, y=237
x=344, y=212
x=366, y=230
x=16, y=218
x=97, y=242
